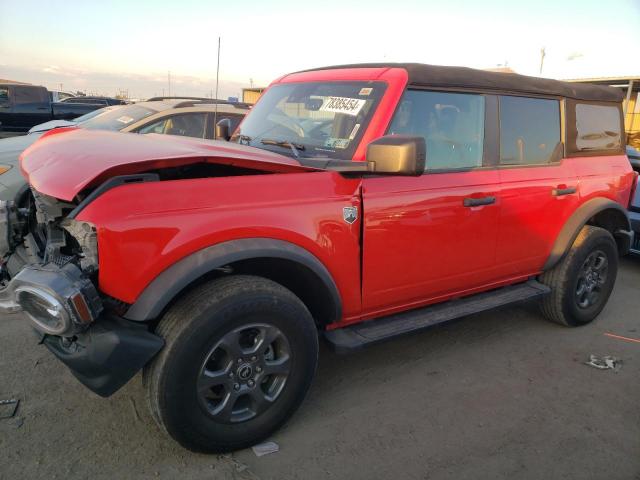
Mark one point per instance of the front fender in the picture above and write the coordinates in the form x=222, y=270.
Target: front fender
x=166, y=286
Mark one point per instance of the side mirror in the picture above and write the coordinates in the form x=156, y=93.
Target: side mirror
x=397, y=155
x=223, y=129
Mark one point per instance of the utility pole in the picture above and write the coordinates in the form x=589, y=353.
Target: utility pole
x=543, y=53
x=169, y=79
x=215, y=114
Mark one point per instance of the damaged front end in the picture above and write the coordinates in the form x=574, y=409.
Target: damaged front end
x=48, y=271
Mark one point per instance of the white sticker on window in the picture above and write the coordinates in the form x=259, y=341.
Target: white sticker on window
x=124, y=119
x=348, y=106
x=365, y=91
x=332, y=142
x=354, y=132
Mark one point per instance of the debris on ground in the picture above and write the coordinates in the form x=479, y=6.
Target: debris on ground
x=265, y=448
x=8, y=408
x=604, y=363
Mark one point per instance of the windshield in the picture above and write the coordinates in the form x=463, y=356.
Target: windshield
x=117, y=118
x=323, y=119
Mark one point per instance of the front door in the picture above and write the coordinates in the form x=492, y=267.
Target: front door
x=424, y=238
x=434, y=235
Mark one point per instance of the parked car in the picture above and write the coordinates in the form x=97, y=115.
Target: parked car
x=359, y=203
x=46, y=126
x=191, y=118
x=95, y=100
x=23, y=106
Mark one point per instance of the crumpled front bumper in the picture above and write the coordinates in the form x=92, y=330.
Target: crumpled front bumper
x=108, y=354
x=103, y=351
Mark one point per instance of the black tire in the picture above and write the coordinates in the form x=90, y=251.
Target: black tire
x=570, y=302
x=197, y=330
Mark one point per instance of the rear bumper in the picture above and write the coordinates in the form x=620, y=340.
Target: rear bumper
x=108, y=354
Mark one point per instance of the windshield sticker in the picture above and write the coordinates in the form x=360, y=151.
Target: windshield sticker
x=124, y=119
x=332, y=142
x=354, y=132
x=365, y=91
x=348, y=106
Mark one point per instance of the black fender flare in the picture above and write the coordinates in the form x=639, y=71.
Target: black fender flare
x=579, y=219
x=166, y=286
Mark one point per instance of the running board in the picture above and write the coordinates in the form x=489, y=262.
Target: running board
x=347, y=339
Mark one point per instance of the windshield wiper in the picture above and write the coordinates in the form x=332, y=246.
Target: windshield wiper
x=286, y=144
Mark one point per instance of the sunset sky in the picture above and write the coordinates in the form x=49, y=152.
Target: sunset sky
x=110, y=45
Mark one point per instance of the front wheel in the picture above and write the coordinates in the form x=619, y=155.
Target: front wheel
x=240, y=355
x=582, y=282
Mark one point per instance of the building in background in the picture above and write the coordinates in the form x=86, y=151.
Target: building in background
x=251, y=95
x=2, y=80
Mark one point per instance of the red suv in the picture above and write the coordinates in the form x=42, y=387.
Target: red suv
x=358, y=203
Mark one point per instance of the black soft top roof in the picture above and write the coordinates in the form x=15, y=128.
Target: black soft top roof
x=452, y=77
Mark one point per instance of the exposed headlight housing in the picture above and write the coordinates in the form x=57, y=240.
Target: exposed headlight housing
x=57, y=300
x=44, y=310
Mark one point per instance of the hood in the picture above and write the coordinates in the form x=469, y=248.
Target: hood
x=66, y=161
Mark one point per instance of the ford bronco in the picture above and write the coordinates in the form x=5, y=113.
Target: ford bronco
x=357, y=203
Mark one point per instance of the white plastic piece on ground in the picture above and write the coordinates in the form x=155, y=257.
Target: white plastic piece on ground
x=265, y=448
x=604, y=363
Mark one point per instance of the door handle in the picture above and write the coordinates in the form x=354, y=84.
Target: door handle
x=476, y=202
x=558, y=192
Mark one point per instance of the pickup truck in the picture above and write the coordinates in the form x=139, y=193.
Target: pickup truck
x=23, y=106
x=355, y=203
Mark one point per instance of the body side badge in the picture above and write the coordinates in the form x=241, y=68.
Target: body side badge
x=350, y=214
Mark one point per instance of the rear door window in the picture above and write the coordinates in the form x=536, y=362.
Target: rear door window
x=4, y=94
x=598, y=127
x=452, y=125
x=529, y=131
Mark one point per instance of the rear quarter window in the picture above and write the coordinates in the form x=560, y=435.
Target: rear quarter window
x=4, y=94
x=598, y=127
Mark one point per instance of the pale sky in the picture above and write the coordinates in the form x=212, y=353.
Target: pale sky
x=110, y=45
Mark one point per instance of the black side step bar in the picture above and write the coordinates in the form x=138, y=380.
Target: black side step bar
x=344, y=340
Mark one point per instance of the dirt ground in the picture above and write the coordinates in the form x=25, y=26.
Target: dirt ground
x=502, y=395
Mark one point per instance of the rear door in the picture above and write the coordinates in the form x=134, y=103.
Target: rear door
x=434, y=235
x=539, y=188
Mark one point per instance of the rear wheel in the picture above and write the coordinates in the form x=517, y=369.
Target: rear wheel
x=582, y=282
x=239, y=358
